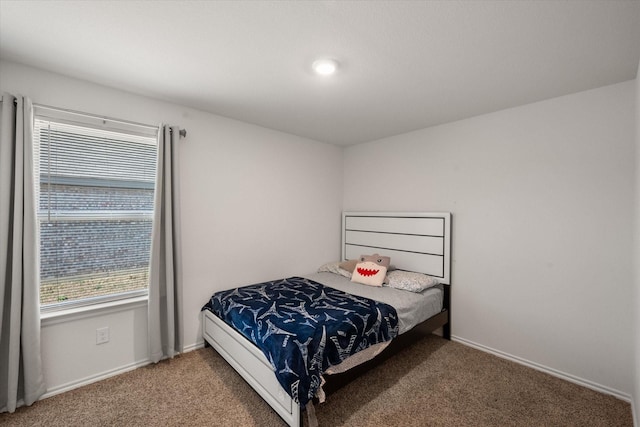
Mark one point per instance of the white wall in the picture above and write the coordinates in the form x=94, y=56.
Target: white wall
x=252, y=199
x=542, y=203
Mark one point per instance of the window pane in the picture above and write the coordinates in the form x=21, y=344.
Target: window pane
x=91, y=258
x=95, y=207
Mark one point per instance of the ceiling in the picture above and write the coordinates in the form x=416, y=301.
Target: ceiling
x=404, y=65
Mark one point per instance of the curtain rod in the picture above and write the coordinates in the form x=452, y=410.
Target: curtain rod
x=182, y=132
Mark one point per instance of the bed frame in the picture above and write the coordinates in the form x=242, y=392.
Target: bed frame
x=418, y=242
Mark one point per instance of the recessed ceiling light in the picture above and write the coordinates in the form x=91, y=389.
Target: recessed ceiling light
x=325, y=67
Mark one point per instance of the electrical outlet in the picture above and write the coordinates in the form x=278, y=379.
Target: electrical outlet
x=102, y=335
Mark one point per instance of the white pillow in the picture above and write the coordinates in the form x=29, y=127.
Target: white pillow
x=333, y=267
x=409, y=281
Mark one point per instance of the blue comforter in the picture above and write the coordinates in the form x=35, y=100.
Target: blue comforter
x=303, y=327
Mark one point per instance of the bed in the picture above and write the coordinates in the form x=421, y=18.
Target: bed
x=415, y=242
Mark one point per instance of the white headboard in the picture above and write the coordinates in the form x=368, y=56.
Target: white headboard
x=415, y=241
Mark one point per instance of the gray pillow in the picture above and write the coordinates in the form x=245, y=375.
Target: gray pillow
x=409, y=281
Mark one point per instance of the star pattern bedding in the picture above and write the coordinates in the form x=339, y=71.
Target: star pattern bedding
x=304, y=327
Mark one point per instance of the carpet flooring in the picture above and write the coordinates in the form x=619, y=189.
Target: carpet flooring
x=433, y=382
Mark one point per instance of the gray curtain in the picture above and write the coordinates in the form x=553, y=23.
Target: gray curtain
x=21, y=379
x=165, y=281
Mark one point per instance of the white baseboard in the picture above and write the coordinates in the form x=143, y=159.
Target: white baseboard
x=94, y=378
x=194, y=346
x=111, y=373
x=568, y=377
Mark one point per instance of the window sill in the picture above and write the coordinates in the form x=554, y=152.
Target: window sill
x=76, y=313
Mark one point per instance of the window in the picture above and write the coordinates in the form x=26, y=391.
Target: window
x=95, y=207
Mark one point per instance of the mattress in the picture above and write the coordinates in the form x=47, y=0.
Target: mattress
x=413, y=308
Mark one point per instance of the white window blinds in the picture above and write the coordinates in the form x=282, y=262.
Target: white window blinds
x=95, y=207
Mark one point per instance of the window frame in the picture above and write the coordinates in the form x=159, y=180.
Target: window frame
x=86, y=120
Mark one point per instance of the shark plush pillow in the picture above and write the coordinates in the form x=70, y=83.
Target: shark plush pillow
x=371, y=270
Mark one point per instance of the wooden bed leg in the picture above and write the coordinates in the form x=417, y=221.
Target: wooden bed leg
x=446, y=331
x=446, y=328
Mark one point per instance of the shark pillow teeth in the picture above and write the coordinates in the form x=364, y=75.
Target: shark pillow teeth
x=371, y=270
